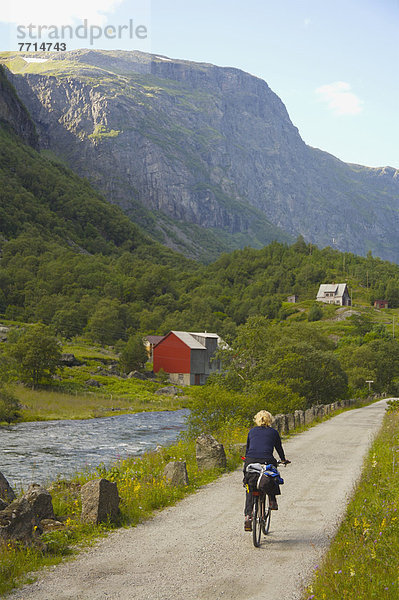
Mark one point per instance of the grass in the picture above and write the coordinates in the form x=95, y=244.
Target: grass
x=71, y=397
x=101, y=132
x=142, y=489
x=363, y=559
x=48, y=405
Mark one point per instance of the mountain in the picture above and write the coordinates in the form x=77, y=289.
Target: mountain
x=204, y=157
x=45, y=197
x=67, y=254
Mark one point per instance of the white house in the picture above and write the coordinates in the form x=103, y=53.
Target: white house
x=334, y=293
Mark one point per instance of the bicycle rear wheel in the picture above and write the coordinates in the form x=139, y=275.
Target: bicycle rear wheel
x=266, y=519
x=256, y=521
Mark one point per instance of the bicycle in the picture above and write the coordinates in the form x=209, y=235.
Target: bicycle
x=261, y=516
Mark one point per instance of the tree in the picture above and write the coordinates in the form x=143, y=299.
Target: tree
x=311, y=373
x=295, y=355
x=377, y=360
x=133, y=356
x=35, y=354
x=68, y=322
x=105, y=325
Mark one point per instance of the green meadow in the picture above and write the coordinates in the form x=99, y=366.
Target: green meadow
x=363, y=560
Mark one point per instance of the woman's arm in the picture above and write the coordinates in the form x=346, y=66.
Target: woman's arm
x=278, y=446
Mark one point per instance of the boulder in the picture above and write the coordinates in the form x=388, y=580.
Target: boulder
x=93, y=383
x=170, y=390
x=210, y=453
x=175, y=473
x=18, y=522
x=299, y=416
x=100, y=501
x=48, y=525
x=309, y=416
x=137, y=375
x=40, y=500
x=150, y=375
x=6, y=491
x=4, y=333
x=69, y=360
x=290, y=422
x=279, y=423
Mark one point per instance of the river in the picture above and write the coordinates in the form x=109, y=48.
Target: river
x=43, y=450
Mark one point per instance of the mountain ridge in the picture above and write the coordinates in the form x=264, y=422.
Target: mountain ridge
x=210, y=148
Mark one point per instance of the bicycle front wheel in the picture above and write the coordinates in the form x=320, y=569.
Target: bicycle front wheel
x=256, y=521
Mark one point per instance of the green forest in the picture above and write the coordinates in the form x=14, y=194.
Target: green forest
x=80, y=267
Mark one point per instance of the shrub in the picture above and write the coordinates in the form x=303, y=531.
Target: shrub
x=9, y=407
x=214, y=406
x=315, y=313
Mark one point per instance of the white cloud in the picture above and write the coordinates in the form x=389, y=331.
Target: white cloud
x=46, y=12
x=307, y=22
x=339, y=98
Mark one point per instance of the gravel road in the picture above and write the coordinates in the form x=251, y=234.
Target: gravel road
x=198, y=550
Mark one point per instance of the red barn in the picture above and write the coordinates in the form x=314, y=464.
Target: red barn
x=187, y=357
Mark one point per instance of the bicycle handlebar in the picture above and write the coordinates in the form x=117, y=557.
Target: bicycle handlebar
x=279, y=462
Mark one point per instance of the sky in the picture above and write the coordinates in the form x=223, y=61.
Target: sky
x=334, y=63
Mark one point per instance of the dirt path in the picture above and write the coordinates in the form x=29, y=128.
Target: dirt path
x=198, y=549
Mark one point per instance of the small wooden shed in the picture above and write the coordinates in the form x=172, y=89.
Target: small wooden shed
x=381, y=303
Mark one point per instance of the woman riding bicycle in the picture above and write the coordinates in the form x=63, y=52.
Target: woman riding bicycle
x=262, y=440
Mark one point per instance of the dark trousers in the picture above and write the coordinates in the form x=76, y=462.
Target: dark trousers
x=270, y=460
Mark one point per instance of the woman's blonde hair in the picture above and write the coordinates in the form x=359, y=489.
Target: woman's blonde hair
x=263, y=419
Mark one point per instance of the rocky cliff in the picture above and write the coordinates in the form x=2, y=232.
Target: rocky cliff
x=14, y=114
x=210, y=151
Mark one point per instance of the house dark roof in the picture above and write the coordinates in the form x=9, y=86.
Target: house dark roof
x=154, y=339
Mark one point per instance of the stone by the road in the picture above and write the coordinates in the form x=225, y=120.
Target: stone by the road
x=40, y=500
x=100, y=501
x=175, y=473
x=6, y=492
x=210, y=453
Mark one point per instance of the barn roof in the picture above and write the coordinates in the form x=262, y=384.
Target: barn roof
x=189, y=340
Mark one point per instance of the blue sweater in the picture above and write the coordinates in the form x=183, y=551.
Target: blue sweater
x=262, y=441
